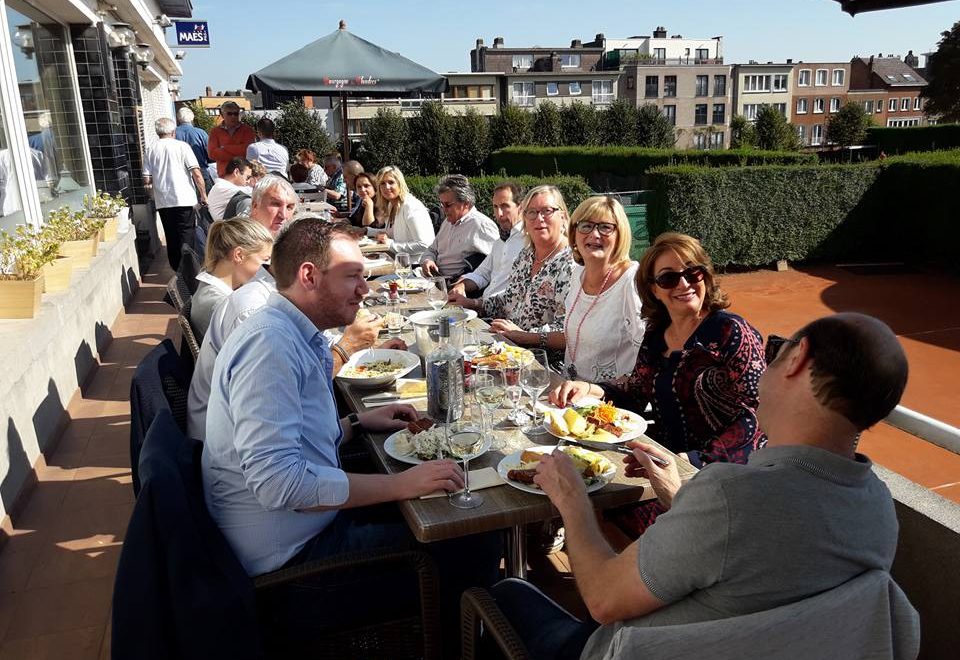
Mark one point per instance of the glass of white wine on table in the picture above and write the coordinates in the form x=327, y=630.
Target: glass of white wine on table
x=489, y=389
x=437, y=293
x=401, y=267
x=511, y=381
x=534, y=379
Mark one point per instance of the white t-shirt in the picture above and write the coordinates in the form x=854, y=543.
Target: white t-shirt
x=612, y=332
x=169, y=161
x=220, y=195
x=273, y=156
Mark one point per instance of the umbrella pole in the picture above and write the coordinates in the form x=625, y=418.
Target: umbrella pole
x=343, y=127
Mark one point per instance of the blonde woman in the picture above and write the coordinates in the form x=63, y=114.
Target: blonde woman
x=406, y=221
x=236, y=249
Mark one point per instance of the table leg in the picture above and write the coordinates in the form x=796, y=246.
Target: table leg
x=516, y=560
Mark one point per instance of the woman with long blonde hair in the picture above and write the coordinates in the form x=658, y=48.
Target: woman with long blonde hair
x=405, y=221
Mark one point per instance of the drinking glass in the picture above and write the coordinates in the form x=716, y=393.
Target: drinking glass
x=534, y=379
x=401, y=265
x=464, y=444
x=394, y=319
x=489, y=390
x=511, y=379
x=437, y=293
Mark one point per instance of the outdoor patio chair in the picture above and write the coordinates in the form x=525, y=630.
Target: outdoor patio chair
x=190, y=265
x=191, y=338
x=180, y=592
x=172, y=297
x=868, y=616
x=159, y=384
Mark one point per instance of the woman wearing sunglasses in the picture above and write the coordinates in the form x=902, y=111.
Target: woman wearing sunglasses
x=698, y=366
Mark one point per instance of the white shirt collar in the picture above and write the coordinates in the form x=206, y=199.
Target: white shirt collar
x=212, y=280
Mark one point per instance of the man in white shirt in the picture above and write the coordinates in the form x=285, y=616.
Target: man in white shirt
x=172, y=173
x=492, y=275
x=233, y=181
x=273, y=155
x=465, y=238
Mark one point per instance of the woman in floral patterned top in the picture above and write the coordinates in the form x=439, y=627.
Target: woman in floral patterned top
x=698, y=366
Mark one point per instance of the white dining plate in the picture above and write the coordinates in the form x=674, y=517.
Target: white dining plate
x=411, y=285
x=406, y=361
x=635, y=425
x=512, y=462
x=390, y=446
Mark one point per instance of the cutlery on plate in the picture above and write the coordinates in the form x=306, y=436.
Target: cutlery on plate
x=603, y=446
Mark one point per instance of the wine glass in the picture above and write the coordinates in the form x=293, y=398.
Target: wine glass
x=464, y=444
x=489, y=390
x=511, y=379
x=401, y=264
x=534, y=379
x=437, y=293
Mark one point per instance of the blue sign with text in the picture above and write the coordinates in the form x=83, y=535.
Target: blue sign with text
x=192, y=33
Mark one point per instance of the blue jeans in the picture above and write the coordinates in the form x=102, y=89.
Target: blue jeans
x=548, y=631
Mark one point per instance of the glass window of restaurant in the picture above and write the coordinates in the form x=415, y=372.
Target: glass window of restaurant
x=11, y=210
x=48, y=98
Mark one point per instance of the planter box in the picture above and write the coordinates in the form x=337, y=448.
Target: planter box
x=82, y=252
x=20, y=299
x=109, y=231
x=56, y=275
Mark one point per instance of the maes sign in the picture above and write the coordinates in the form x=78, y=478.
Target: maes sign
x=192, y=33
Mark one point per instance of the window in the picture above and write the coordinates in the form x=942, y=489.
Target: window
x=699, y=141
x=908, y=77
x=750, y=110
x=868, y=106
x=522, y=61
x=570, y=61
x=802, y=133
x=716, y=140
x=719, y=85
x=781, y=108
x=670, y=112
x=802, y=106
x=780, y=82
x=817, y=135
x=892, y=107
x=719, y=113
x=821, y=78
x=916, y=103
x=838, y=76
x=804, y=79
x=700, y=114
x=900, y=123
x=879, y=105
x=602, y=92
x=575, y=89
x=835, y=103
x=904, y=105
x=702, y=54
x=660, y=54
x=670, y=86
x=652, y=89
x=553, y=89
x=523, y=94
x=818, y=106
x=756, y=83
x=471, y=92
x=703, y=83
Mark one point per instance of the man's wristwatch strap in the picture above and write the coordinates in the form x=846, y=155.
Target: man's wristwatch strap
x=355, y=424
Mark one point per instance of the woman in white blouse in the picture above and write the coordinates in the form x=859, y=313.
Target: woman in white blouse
x=236, y=249
x=405, y=218
x=602, y=326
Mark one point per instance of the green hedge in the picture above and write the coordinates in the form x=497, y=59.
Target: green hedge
x=914, y=138
x=574, y=188
x=901, y=209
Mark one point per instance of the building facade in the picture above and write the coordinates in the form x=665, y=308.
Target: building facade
x=819, y=90
x=756, y=85
x=889, y=89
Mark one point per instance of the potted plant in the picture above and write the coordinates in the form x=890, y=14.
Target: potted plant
x=22, y=258
x=56, y=274
x=78, y=235
x=104, y=208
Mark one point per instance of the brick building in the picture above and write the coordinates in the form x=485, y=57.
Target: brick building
x=889, y=89
x=819, y=90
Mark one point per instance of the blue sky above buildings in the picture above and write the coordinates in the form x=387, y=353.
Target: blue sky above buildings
x=246, y=36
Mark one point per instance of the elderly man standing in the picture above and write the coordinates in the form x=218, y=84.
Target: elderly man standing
x=465, y=238
x=274, y=156
x=493, y=274
x=230, y=139
x=172, y=173
x=198, y=140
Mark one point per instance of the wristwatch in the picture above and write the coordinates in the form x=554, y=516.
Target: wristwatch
x=355, y=424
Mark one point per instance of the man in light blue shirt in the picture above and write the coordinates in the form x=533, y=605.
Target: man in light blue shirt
x=197, y=138
x=272, y=478
x=271, y=154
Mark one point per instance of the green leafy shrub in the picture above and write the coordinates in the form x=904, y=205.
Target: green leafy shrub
x=512, y=126
x=387, y=142
x=471, y=142
x=580, y=124
x=103, y=205
x=654, y=130
x=914, y=138
x=618, y=123
x=849, y=125
x=68, y=225
x=547, y=127
x=24, y=253
x=573, y=188
x=773, y=132
x=431, y=138
x=200, y=117
x=299, y=128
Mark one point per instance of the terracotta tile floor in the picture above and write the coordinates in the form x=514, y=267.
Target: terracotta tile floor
x=56, y=572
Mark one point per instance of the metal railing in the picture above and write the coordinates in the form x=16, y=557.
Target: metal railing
x=926, y=428
x=670, y=61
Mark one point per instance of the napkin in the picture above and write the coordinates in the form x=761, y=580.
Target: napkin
x=479, y=479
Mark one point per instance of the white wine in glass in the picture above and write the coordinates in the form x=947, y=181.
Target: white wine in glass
x=535, y=378
x=489, y=391
x=465, y=445
x=437, y=293
x=402, y=269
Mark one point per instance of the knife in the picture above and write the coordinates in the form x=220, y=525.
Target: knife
x=605, y=446
x=392, y=396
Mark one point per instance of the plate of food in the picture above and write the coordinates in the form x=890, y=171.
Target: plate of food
x=498, y=353
x=410, y=285
x=422, y=440
x=518, y=468
x=594, y=421
x=374, y=367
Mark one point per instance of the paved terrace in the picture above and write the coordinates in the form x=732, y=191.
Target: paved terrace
x=56, y=571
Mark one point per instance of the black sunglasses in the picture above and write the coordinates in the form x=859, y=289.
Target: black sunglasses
x=670, y=279
x=774, y=344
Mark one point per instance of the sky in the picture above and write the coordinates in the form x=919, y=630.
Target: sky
x=247, y=36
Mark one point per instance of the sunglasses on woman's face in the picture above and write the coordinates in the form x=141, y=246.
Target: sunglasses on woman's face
x=774, y=344
x=670, y=279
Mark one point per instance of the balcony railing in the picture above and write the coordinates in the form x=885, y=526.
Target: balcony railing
x=670, y=61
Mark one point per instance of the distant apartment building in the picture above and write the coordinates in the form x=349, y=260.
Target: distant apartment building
x=889, y=89
x=685, y=78
x=819, y=90
x=531, y=75
x=756, y=85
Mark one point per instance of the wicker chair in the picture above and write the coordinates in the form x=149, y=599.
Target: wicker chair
x=477, y=606
x=190, y=265
x=173, y=297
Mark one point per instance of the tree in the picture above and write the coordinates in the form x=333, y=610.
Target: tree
x=513, y=125
x=298, y=128
x=653, y=129
x=943, y=71
x=387, y=141
x=431, y=138
x=547, y=128
x=471, y=139
x=773, y=132
x=849, y=125
x=742, y=133
x=579, y=124
x=200, y=117
x=618, y=123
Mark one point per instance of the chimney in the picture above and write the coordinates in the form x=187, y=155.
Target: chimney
x=479, y=43
x=789, y=60
x=677, y=36
x=555, y=62
x=576, y=43
x=911, y=60
x=209, y=90
x=599, y=38
x=498, y=42
x=660, y=32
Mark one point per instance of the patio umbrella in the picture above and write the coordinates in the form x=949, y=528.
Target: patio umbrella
x=854, y=7
x=342, y=64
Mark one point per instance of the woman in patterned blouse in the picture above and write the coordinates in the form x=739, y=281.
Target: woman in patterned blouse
x=698, y=366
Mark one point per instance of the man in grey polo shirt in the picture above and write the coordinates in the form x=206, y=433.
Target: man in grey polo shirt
x=467, y=235
x=803, y=516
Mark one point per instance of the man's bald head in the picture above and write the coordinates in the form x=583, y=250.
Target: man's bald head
x=350, y=171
